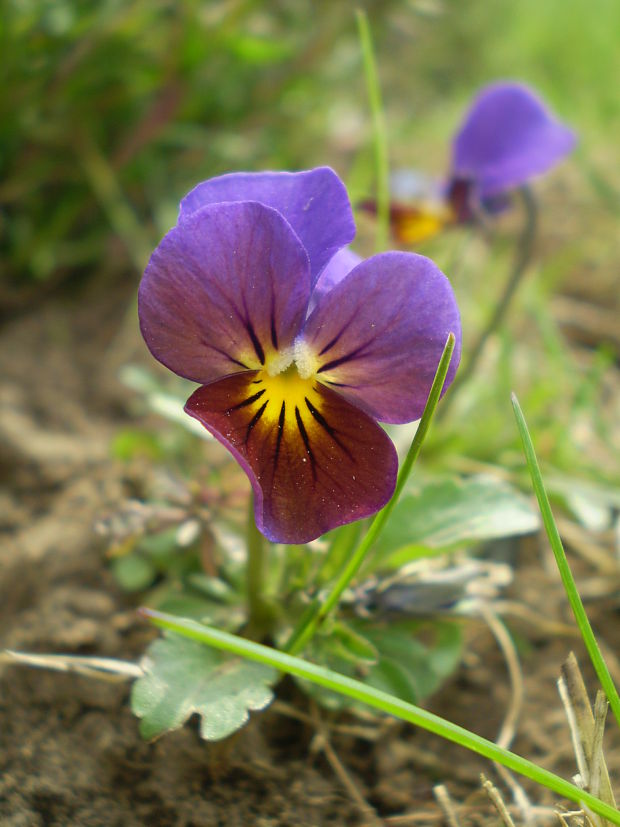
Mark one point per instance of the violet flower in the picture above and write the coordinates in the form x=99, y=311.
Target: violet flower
x=293, y=394
x=508, y=137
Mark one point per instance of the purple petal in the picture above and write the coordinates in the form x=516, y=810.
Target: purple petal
x=315, y=203
x=378, y=336
x=340, y=266
x=224, y=291
x=508, y=136
x=314, y=461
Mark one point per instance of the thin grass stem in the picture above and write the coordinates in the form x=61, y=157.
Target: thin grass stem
x=566, y=574
x=382, y=164
x=106, y=187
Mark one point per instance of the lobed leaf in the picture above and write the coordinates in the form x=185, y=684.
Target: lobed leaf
x=183, y=677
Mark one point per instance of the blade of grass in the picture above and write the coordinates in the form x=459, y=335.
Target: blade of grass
x=108, y=192
x=311, y=621
x=382, y=701
x=382, y=164
x=562, y=563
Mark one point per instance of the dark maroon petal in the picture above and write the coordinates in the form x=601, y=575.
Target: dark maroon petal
x=315, y=203
x=507, y=137
x=224, y=291
x=378, y=336
x=314, y=461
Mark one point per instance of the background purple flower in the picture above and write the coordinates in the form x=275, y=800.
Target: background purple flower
x=507, y=137
x=295, y=394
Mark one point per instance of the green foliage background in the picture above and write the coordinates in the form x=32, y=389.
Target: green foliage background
x=111, y=111
x=115, y=108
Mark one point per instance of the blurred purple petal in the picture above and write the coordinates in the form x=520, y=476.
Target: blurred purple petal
x=224, y=291
x=378, y=336
x=339, y=267
x=315, y=203
x=508, y=136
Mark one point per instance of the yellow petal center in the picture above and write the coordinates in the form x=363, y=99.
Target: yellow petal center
x=287, y=388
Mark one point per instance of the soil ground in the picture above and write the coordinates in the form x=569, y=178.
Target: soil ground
x=70, y=751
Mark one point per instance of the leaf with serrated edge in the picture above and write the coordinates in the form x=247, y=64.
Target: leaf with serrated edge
x=183, y=677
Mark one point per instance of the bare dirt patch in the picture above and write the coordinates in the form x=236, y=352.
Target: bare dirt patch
x=70, y=749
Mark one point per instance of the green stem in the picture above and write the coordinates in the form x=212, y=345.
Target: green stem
x=562, y=563
x=523, y=254
x=382, y=164
x=382, y=701
x=311, y=622
x=255, y=572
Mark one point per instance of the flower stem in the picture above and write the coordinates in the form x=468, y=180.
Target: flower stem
x=311, y=621
x=382, y=164
x=382, y=701
x=523, y=254
x=568, y=581
x=255, y=572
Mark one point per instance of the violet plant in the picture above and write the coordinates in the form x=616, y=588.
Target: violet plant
x=293, y=386
x=284, y=388
x=300, y=349
x=507, y=138
x=295, y=394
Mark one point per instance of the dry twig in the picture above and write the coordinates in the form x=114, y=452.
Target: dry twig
x=440, y=791
x=497, y=800
x=106, y=669
x=586, y=733
x=321, y=743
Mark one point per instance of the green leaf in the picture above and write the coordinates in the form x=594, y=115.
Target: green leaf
x=133, y=572
x=160, y=545
x=177, y=599
x=441, y=514
x=213, y=588
x=413, y=658
x=130, y=443
x=259, y=51
x=418, y=655
x=183, y=677
x=568, y=581
x=161, y=401
x=593, y=504
x=352, y=644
